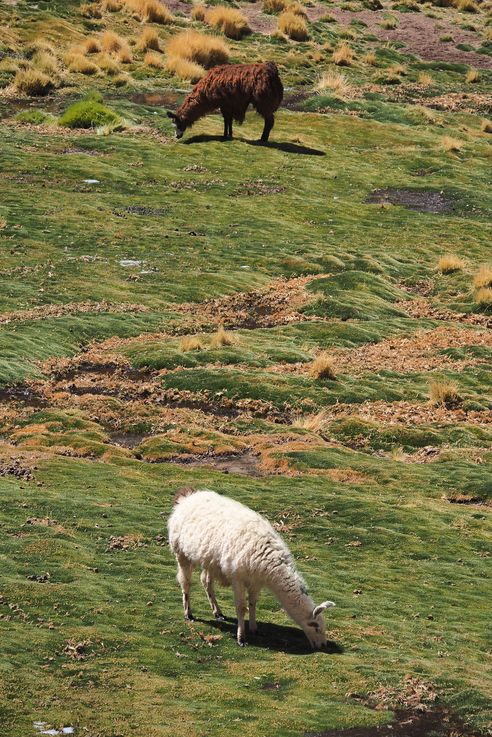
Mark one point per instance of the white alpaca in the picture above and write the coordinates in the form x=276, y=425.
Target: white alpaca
x=237, y=547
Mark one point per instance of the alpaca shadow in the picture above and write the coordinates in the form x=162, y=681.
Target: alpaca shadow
x=204, y=138
x=274, y=637
x=290, y=148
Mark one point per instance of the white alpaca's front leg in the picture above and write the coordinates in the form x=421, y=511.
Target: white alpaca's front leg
x=253, y=595
x=240, y=601
x=185, y=569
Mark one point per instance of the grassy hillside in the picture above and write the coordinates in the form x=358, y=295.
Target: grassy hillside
x=304, y=326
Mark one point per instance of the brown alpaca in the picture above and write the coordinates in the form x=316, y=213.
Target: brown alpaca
x=231, y=88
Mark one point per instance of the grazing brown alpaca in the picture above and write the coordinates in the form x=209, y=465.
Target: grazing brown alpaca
x=231, y=88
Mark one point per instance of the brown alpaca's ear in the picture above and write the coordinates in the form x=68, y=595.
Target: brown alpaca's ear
x=171, y=115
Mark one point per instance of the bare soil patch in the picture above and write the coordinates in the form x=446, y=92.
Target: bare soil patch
x=72, y=308
x=419, y=201
x=245, y=463
x=423, y=307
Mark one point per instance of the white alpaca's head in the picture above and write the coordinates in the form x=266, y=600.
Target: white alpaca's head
x=313, y=624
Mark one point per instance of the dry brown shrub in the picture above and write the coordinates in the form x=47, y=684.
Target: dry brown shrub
x=124, y=55
x=483, y=296
x=198, y=12
x=449, y=263
x=294, y=26
x=77, y=63
x=444, y=393
x=483, y=277
x=108, y=64
x=336, y=83
x=297, y=9
x=274, y=6
x=206, y=51
x=154, y=60
x=33, y=83
x=466, y=6
x=184, y=68
x=323, y=367
x=315, y=422
x=425, y=79
x=222, y=338
x=343, y=56
x=230, y=21
x=149, y=39
x=111, y=42
x=190, y=343
x=46, y=62
x=389, y=23
x=149, y=11
x=90, y=10
x=472, y=76
x=91, y=45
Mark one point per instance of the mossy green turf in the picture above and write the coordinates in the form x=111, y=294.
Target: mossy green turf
x=422, y=563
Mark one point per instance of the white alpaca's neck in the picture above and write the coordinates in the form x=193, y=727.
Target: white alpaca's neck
x=290, y=589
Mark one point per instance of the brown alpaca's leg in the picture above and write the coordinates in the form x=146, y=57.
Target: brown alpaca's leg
x=269, y=121
x=227, y=124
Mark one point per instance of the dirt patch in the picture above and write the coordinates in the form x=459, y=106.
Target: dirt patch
x=464, y=499
x=17, y=470
x=421, y=307
x=73, y=308
x=128, y=439
x=419, y=201
x=165, y=98
x=244, y=463
x=258, y=21
x=24, y=394
x=253, y=187
x=420, y=34
x=125, y=542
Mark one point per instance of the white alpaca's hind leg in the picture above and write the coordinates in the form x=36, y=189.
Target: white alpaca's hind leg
x=185, y=569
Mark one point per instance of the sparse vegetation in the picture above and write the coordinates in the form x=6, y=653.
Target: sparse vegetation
x=153, y=59
x=483, y=296
x=426, y=79
x=78, y=64
x=450, y=263
x=389, y=23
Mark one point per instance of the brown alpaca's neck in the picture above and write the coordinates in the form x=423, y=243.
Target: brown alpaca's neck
x=194, y=108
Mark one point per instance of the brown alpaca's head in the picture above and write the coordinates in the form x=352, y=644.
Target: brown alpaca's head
x=179, y=124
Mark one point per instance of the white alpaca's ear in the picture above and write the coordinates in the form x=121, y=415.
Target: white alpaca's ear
x=321, y=608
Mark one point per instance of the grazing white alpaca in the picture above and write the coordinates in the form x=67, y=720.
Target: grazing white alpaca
x=237, y=547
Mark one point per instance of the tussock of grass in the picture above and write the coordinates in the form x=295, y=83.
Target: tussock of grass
x=198, y=12
x=483, y=296
x=149, y=11
x=33, y=117
x=451, y=145
x=343, y=56
x=222, y=338
x=294, y=26
x=449, y=263
x=111, y=42
x=425, y=79
x=77, y=63
x=33, y=82
x=348, y=33
x=154, y=60
x=323, y=367
x=108, y=64
x=444, y=393
x=3, y=223
x=389, y=23
x=370, y=58
x=90, y=10
x=91, y=45
x=230, y=21
x=274, y=6
x=190, y=343
x=88, y=113
x=148, y=40
x=315, y=423
x=184, y=68
x=46, y=62
x=472, y=76
x=466, y=6
x=297, y=9
x=193, y=46
x=486, y=126
x=337, y=83
x=483, y=277
x=111, y=6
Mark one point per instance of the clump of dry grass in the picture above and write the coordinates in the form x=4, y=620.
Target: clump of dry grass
x=449, y=263
x=148, y=39
x=483, y=277
x=429, y=114
x=91, y=45
x=315, y=422
x=343, y=56
x=3, y=223
x=397, y=69
x=294, y=26
x=149, y=11
x=33, y=82
x=108, y=64
x=184, y=68
x=370, y=58
x=444, y=393
x=196, y=47
x=90, y=10
x=111, y=6
x=486, y=126
x=274, y=6
x=190, y=343
x=451, y=145
x=198, y=12
x=336, y=83
x=154, y=60
x=466, y=6
x=348, y=33
x=425, y=79
x=297, y=9
x=46, y=62
x=323, y=367
x=124, y=55
x=77, y=63
x=222, y=338
x=483, y=296
x=472, y=76
x=230, y=21
x=389, y=23
x=111, y=42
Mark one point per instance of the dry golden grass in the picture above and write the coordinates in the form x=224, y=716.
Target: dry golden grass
x=429, y=114
x=33, y=82
x=3, y=223
x=77, y=63
x=190, y=343
x=124, y=55
x=108, y=64
x=111, y=42
x=294, y=26
x=472, y=76
x=466, y=6
x=90, y=10
x=348, y=33
x=444, y=393
x=111, y=6
x=184, y=68
x=148, y=39
x=149, y=11
x=205, y=51
x=91, y=45
x=483, y=296
x=389, y=23
x=198, y=12
x=486, y=126
x=370, y=58
x=274, y=6
x=336, y=83
x=45, y=62
x=488, y=34
x=483, y=277
x=397, y=69
x=297, y=9
x=230, y=21
x=452, y=145
x=449, y=263
x=154, y=60
x=425, y=79
x=315, y=423
x=343, y=56
x=222, y=338
x=323, y=367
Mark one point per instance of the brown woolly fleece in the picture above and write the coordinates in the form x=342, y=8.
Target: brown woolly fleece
x=231, y=88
